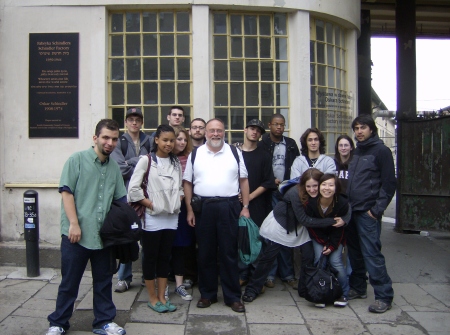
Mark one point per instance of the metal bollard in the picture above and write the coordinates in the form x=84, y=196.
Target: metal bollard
x=31, y=231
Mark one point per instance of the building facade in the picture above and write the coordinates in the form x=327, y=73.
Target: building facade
x=215, y=58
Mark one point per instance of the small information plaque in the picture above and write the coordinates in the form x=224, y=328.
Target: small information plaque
x=53, y=85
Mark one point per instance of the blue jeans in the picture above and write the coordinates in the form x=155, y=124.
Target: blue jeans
x=364, y=249
x=335, y=259
x=74, y=259
x=124, y=272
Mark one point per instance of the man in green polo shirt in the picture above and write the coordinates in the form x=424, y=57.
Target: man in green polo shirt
x=90, y=181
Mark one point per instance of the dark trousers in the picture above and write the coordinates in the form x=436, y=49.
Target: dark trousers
x=74, y=259
x=265, y=261
x=364, y=250
x=217, y=229
x=157, y=247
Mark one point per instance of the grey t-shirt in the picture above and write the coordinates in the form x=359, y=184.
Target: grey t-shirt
x=279, y=159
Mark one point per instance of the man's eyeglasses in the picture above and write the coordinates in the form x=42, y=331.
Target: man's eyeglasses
x=197, y=127
x=176, y=114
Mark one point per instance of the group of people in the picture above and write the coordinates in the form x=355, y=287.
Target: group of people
x=195, y=186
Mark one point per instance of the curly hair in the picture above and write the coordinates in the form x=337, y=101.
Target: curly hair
x=303, y=138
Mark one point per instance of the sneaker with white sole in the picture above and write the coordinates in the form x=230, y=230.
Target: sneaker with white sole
x=111, y=328
x=379, y=306
x=122, y=286
x=320, y=305
x=181, y=291
x=341, y=302
x=55, y=331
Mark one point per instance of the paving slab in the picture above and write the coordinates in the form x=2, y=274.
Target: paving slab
x=278, y=329
x=393, y=329
x=439, y=291
x=18, y=325
x=272, y=313
x=413, y=295
x=337, y=327
x=281, y=298
x=16, y=292
x=37, y=308
x=432, y=322
x=310, y=312
x=153, y=329
x=214, y=324
x=6, y=310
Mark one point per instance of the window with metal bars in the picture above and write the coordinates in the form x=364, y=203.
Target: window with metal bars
x=251, y=69
x=149, y=64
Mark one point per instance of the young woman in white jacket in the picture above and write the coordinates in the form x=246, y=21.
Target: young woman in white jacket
x=163, y=203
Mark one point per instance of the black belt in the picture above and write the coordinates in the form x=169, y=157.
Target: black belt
x=217, y=199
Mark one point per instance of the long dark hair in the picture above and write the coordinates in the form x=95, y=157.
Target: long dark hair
x=303, y=141
x=337, y=192
x=337, y=156
x=307, y=175
x=163, y=128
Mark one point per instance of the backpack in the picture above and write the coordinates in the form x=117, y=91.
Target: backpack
x=124, y=145
x=287, y=184
x=249, y=243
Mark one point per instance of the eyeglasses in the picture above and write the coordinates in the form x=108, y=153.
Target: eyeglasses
x=197, y=127
x=212, y=131
x=176, y=114
x=132, y=120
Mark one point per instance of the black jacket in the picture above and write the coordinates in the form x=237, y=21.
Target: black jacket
x=121, y=230
x=371, y=177
x=291, y=151
x=331, y=237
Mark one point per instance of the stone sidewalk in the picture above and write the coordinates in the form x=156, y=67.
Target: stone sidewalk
x=419, y=267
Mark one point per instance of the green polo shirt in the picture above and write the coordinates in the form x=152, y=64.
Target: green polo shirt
x=94, y=186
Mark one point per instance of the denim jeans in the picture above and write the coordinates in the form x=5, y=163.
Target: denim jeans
x=74, y=259
x=364, y=249
x=124, y=272
x=335, y=259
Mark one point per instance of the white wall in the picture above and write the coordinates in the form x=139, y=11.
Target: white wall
x=38, y=162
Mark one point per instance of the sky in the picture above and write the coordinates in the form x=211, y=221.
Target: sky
x=432, y=70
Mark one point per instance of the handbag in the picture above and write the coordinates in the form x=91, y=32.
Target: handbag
x=322, y=285
x=137, y=206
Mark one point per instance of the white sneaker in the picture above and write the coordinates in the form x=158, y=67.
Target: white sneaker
x=55, y=331
x=320, y=305
x=111, y=328
x=122, y=286
x=181, y=291
x=166, y=293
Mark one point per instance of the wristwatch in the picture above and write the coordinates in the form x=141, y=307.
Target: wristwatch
x=246, y=206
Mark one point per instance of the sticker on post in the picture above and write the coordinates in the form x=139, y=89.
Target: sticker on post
x=29, y=225
x=30, y=220
x=29, y=200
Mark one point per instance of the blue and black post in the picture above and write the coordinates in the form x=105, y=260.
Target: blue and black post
x=31, y=231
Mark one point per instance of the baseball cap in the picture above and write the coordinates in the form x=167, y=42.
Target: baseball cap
x=134, y=112
x=256, y=123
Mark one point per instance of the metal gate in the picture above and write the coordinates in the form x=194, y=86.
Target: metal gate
x=423, y=202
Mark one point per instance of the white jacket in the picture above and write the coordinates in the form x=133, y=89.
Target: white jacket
x=164, y=186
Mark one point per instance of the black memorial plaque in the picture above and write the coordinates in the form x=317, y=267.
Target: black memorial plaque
x=53, y=85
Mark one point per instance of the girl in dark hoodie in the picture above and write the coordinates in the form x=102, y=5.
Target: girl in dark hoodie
x=329, y=241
